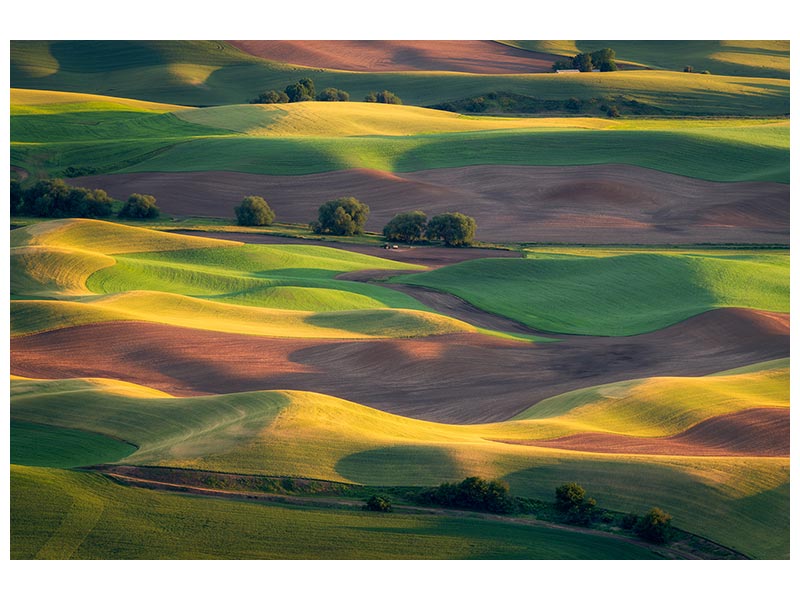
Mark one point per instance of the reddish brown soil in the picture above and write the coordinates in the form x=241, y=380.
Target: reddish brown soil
x=463, y=378
x=402, y=55
x=605, y=204
x=754, y=432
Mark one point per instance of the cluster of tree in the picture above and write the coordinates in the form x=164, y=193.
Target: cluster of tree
x=474, y=493
x=301, y=91
x=510, y=103
x=603, y=60
x=343, y=216
x=655, y=526
x=377, y=503
x=454, y=229
x=384, y=97
x=254, y=210
x=53, y=198
x=139, y=206
x=572, y=502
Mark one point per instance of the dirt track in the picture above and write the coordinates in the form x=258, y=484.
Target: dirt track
x=755, y=432
x=605, y=204
x=465, y=378
x=402, y=55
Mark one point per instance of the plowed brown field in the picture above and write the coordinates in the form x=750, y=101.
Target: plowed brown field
x=754, y=432
x=601, y=204
x=465, y=378
x=402, y=55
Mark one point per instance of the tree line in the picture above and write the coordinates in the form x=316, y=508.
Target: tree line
x=304, y=90
x=53, y=198
x=347, y=217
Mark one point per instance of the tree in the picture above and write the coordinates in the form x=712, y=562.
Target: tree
x=655, y=526
x=47, y=198
x=604, y=59
x=270, y=97
x=688, y=69
x=333, y=95
x=17, y=198
x=583, y=62
x=572, y=501
x=454, y=229
x=473, y=493
x=384, y=97
x=93, y=203
x=378, y=504
x=301, y=91
x=406, y=227
x=139, y=206
x=254, y=210
x=344, y=216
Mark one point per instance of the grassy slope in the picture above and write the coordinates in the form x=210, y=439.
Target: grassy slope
x=315, y=137
x=257, y=289
x=35, y=316
x=44, y=445
x=307, y=434
x=624, y=294
x=746, y=58
x=61, y=514
x=212, y=73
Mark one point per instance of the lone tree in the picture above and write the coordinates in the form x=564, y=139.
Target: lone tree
x=333, y=95
x=454, y=229
x=406, y=227
x=254, y=210
x=344, y=216
x=655, y=526
x=572, y=501
x=378, y=503
x=139, y=206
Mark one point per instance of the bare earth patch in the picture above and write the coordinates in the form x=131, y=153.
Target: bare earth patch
x=754, y=432
x=461, y=378
x=402, y=55
x=600, y=204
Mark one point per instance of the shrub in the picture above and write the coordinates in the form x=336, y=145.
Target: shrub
x=454, y=229
x=384, y=97
x=629, y=521
x=406, y=227
x=655, y=526
x=572, y=501
x=472, y=493
x=333, y=95
x=378, y=504
x=344, y=216
x=16, y=198
x=139, y=206
x=706, y=72
x=254, y=210
x=573, y=104
x=688, y=69
x=612, y=112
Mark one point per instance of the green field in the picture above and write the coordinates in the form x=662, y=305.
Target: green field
x=61, y=514
x=624, y=294
x=214, y=73
x=310, y=435
x=318, y=137
x=746, y=58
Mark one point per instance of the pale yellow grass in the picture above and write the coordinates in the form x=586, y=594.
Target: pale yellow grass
x=33, y=98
